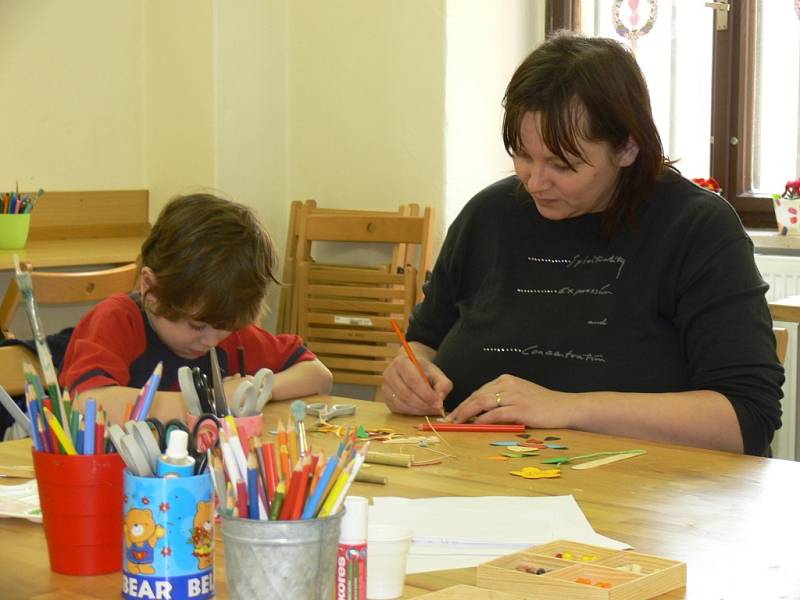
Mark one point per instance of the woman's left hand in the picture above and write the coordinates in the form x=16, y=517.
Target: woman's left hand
x=510, y=399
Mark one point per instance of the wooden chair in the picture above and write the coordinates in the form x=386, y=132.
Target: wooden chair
x=54, y=288
x=345, y=314
x=304, y=230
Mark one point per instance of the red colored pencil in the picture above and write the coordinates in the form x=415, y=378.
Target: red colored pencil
x=100, y=433
x=241, y=499
x=295, y=488
x=302, y=494
x=508, y=428
x=54, y=445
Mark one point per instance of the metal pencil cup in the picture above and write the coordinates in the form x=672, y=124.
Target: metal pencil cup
x=281, y=560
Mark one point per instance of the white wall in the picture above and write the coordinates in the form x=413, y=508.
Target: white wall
x=178, y=98
x=484, y=47
x=356, y=103
x=72, y=114
x=366, y=102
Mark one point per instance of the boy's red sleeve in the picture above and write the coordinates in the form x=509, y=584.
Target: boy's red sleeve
x=103, y=346
x=263, y=349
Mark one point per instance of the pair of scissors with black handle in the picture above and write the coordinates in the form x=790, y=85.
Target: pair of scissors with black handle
x=203, y=435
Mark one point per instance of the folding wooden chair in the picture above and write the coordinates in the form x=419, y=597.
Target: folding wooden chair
x=344, y=317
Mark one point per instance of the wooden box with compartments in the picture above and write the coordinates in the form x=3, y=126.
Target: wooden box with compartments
x=567, y=570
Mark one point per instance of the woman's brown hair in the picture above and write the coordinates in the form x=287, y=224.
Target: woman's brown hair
x=588, y=89
x=213, y=262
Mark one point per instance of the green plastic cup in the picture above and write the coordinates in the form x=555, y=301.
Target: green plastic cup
x=14, y=231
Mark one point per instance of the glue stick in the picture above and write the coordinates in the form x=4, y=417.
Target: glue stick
x=176, y=462
x=351, y=557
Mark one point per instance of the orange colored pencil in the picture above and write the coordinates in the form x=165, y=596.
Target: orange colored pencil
x=128, y=411
x=291, y=434
x=271, y=469
x=283, y=452
x=410, y=353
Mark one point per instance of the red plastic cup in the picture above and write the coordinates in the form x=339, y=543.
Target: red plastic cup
x=81, y=501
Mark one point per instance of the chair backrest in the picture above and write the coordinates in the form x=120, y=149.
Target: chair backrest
x=413, y=231
x=304, y=229
x=345, y=318
x=68, y=288
x=781, y=342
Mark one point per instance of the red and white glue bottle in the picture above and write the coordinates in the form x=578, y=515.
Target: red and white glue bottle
x=351, y=557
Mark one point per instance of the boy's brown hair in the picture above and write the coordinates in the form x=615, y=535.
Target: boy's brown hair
x=213, y=262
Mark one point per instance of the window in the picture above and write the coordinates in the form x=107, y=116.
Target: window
x=724, y=86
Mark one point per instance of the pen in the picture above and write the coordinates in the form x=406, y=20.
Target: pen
x=409, y=352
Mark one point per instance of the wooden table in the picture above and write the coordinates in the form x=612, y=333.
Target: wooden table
x=786, y=309
x=734, y=520
x=75, y=252
x=78, y=228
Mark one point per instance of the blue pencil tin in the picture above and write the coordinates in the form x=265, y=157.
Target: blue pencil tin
x=168, y=538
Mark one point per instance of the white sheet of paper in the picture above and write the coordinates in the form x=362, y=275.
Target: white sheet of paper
x=21, y=501
x=456, y=532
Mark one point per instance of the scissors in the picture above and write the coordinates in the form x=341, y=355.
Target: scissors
x=326, y=413
x=195, y=390
x=251, y=396
x=140, y=443
x=220, y=402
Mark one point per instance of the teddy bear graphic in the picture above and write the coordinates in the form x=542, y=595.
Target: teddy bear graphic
x=141, y=536
x=203, y=535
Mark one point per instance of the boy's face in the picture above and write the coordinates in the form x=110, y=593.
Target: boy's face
x=187, y=338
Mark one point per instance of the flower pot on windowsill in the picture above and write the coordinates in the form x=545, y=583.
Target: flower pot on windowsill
x=787, y=209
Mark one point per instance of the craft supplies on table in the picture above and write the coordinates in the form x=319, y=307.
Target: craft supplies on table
x=577, y=571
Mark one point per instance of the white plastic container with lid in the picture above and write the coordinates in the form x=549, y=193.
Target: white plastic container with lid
x=176, y=462
x=351, y=558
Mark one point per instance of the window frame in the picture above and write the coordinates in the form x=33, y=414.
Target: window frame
x=733, y=105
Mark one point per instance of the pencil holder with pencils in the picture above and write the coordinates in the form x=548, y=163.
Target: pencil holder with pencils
x=15, y=218
x=281, y=559
x=168, y=537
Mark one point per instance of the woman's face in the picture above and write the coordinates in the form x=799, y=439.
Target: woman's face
x=557, y=190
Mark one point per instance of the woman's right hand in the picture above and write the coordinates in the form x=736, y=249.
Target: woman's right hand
x=406, y=392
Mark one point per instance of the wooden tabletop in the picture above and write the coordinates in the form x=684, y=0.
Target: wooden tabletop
x=734, y=520
x=76, y=252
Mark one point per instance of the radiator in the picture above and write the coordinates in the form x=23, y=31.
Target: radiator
x=782, y=273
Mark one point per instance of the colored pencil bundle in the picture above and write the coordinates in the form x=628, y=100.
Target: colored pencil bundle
x=283, y=483
x=71, y=432
x=14, y=203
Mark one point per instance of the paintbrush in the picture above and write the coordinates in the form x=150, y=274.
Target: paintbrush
x=25, y=284
x=298, y=408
